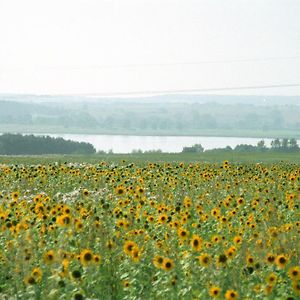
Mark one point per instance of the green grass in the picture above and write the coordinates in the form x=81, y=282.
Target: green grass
x=157, y=157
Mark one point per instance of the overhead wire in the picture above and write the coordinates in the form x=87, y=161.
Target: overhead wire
x=197, y=90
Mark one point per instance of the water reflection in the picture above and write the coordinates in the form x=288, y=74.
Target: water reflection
x=128, y=143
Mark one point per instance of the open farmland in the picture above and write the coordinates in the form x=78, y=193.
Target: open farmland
x=145, y=230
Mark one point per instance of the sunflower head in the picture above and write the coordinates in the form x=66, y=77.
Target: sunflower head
x=214, y=291
x=29, y=280
x=296, y=287
x=36, y=274
x=120, y=190
x=231, y=295
x=86, y=257
x=15, y=195
x=183, y=233
x=204, y=259
x=158, y=261
x=167, y=264
x=49, y=257
x=272, y=278
x=135, y=254
x=270, y=258
x=85, y=192
x=281, y=261
x=294, y=273
x=129, y=246
x=196, y=243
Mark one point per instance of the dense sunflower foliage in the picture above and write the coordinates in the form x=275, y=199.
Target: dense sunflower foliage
x=150, y=231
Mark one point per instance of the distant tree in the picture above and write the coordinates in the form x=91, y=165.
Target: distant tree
x=219, y=150
x=196, y=148
x=284, y=144
x=275, y=144
x=137, y=151
x=261, y=146
x=101, y=152
x=293, y=145
x=17, y=144
x=153, y=151
x=245, y=148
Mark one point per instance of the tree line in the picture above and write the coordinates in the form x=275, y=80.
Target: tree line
x=146, y=116
x=17, y=144
x=277, y=145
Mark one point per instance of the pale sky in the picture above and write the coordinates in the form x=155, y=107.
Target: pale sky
x=120, y=46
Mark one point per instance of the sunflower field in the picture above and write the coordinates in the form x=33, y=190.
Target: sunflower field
x=150, y=231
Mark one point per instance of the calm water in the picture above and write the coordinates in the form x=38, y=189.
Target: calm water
x=128, y=143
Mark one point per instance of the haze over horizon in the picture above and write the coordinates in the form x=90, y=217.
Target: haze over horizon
x=113, y=47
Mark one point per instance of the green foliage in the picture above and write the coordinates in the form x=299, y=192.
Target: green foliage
x=277, y=145
x=285, y=145
x=56, y=218
x=197, y=148
x=17, y=144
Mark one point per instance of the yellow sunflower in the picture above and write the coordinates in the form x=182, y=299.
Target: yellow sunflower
x=214, y=291
x=129, y=246
x=167, y=264
x=86, y=257
x=231, y=295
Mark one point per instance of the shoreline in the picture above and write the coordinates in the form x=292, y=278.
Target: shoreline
x=205, y=133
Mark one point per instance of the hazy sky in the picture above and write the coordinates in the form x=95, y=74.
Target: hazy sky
x=115, y=46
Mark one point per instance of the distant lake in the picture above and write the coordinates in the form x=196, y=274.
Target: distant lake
x=128, y=143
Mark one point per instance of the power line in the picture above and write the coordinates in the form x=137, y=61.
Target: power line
x=163, y=64
x=200, y=90
x=187, y=63
x=170, y=64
